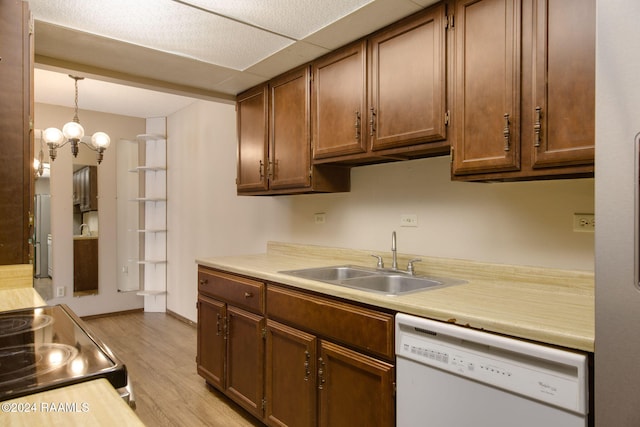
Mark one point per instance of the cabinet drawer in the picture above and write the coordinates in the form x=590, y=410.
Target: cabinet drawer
x=368, y=330
x=236, y=290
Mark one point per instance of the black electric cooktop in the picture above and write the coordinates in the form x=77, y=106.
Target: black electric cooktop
x=49, y=347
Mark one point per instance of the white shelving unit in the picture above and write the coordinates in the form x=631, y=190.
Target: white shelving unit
x=151, y=197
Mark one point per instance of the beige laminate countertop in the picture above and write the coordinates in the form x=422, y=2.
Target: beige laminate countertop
x=18, y=298
x=546, y=305
x=87, y=404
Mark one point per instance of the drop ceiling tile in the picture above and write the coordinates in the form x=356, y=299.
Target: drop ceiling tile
x=167, y=26
x=292, y=18
x=363, y=22
x=288, y=58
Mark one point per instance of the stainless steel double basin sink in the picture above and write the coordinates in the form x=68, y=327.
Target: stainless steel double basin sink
x=388, y=282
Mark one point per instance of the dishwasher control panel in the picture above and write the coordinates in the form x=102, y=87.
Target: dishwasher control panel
x=547, y=374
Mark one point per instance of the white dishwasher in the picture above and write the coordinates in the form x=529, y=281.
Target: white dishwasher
x=451, y=376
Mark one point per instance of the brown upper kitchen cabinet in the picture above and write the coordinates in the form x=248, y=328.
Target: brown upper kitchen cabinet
x=563, y=83
x=274, y=140
x=385, y=96
x=340, y=103
x=253, y=140
x=16, y=145
x=524, y=91
x=407, y=85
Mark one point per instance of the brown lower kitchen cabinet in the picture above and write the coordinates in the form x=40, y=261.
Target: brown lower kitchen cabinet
x=85, y=264
x=312, y=382
x=230, y=354
x=331, y=364
x=293, y=358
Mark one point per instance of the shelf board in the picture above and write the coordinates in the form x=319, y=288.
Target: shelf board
x=149, y=261
x=149, y=199
x=149, y=136
x=148, y=168
x=149, y=230
x=147, y=293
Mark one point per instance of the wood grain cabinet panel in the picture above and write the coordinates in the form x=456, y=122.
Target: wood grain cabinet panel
x=290, y=131
x=384, y=97
x=211, y=351
x=487, y=84
x=16, y=145
x=291, y=385
x=407, y=70
x=355, y=390
x=245, y=359
x=563, y=113
x=274, y=140
x=369, y=330
x=340, y=102
x=525, y=91
x=85, y=265
x=311, y=361
x=231, y=347
x=252, y=123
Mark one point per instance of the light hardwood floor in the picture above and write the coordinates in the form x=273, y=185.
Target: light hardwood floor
x=160, y=352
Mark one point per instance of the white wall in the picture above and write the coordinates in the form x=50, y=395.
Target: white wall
x=527, y=223
x=204, y=215
x=118, y=127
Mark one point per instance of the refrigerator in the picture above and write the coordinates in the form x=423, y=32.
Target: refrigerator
x=42, y=229
x=617, y=195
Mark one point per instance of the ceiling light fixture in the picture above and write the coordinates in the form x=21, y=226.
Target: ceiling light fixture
x=73, y=133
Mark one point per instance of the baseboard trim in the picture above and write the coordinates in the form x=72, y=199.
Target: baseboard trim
x=115, y=313
x=181, y=318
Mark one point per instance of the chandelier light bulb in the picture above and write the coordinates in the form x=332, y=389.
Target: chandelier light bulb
x=53, y=136
x=100, y=140
x=73, y=130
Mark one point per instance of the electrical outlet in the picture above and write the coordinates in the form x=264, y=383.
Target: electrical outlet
x=320, y=217
x=408, y=220
x=584, y=222
x=60, y=291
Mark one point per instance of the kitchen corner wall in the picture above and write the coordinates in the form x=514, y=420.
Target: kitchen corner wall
x=528, y=223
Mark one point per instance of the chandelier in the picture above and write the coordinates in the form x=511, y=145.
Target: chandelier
x=73, y=133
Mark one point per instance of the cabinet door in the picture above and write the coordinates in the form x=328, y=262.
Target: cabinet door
x=339, y=116
x=252, y=116
x=487, y=86
x=291, y=376
x=564, y=82
x=85, y=265
x=211, y=340
x=245, y=359
x=16, y=146
x=407, y=64
x=290, y=132
x=355, y=390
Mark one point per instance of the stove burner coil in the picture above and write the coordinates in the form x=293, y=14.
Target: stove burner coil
x=14, y=325
x=23, y=362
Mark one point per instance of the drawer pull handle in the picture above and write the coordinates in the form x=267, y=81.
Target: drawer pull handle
x=204, y=281
x=372, y=121
x=506, y=133
x=537, y=127
x=248, y=294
